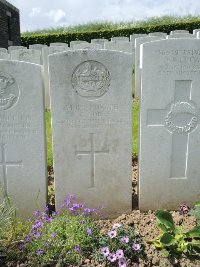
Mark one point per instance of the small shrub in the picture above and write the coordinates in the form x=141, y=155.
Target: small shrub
x=64, y=237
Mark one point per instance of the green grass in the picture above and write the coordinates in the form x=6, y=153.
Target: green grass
x=135, y=115
x=49, y=139
x=108, y=25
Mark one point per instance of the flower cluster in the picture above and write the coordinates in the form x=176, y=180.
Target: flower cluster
x=122, y=244
x=49, y=236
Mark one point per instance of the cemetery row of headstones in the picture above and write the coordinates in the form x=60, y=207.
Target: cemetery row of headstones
x=91, y=102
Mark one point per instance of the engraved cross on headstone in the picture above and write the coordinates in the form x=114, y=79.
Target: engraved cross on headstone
x=4, y=163
x=92, y=152
x=180, y=118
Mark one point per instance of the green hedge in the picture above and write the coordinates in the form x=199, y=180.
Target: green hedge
x=107, y=34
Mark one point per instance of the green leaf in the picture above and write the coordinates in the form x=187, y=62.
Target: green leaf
x=164, y=218
x=167, y=239
x=197, y=204
x=194, y=244
x=195, y=232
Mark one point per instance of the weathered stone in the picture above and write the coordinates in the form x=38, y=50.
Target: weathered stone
x=77, y=42
x=99, y=41
x=37, y=46
x=179, y=31
x=137, y=35
x=120, y=46
x=162, y=34
x=4, y=54
x=27, y=55
x=180, y=35
x=45, y=54
x=87, y=46
x=91, y=118
x=22, y=136
x=14, y=47
x=58, y=44
x=120, y=39
x=169, y=168
x=138, y=42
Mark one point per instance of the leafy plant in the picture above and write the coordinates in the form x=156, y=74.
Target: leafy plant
x=64, y=237
x=196, y=212
x=120, y=245
x=173, y=239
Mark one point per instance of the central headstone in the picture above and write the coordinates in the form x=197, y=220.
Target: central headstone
x=91, y=119
x=169, y=167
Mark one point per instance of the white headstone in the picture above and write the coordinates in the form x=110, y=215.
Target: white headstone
x=4, y=53
x=162, y=34
x=91, y=120
x=179, y=31
x=169, y=168
x=27, y=55
x=195, y=31
x=137, y=35
x=58, y=44
x=181, y=35
x=22, y=136
x=138, y=42
x=120, y=46
x=14, y=47
x=99, y=41
x=120, y=39
x=198, y=34
x=37, y=46
x=77, y=42
x=45, y=53
x=87, y=46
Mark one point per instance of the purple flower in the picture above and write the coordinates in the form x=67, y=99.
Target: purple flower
x=37, y=234
x=112, y=257
x=40, y=252
x=46, y=208
x=89, y=231
x=122, y=262
x=82, y=222
x=124, y=239
x=116, y=225
x=54, y=214
x=44, y=216
x=53, y=234
x=135, y=246
x=77, y=248
x=28, y=239
x=119, y=254
x=112, y=234
x=37, y=225
x=105, y=251
x=21, y=246
x=36, y=212
x=183, y=209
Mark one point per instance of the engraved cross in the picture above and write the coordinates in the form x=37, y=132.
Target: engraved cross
x=180, y=118
x=92, y=152
x=4, y=163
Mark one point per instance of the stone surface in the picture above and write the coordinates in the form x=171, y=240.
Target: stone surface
x=195, y=31
x=120, y=46
x=169, y=168
x=37, y=46
x=138, y=42
x=180, y=35
x=27, y=55
x=92, y=128
x=162, y=34
x=45, y=53
x=14, y=47
x=179, y=31
x=87, y=46
x=58, y=44
x=99, y=41
x=4, y=54
x=120, y=39
x=22, y=136
x=77, y=42
x=137, y=35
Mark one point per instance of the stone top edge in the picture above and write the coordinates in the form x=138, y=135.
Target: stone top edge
x=9, y=5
